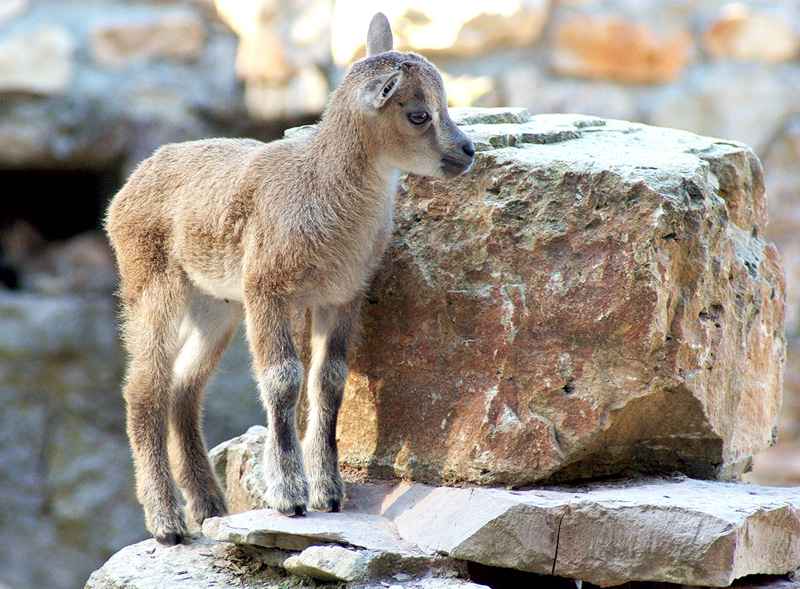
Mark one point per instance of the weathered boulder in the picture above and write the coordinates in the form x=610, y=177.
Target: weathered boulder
x=594, y=297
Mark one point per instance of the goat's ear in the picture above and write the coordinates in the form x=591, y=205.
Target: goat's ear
x=379, y=89
x=379, y=36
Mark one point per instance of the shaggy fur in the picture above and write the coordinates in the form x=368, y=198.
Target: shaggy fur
x=207, y=233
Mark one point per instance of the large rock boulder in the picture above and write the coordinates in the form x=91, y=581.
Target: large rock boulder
x=594, y=297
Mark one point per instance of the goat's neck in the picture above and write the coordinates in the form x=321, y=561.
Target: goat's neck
x=351, y=161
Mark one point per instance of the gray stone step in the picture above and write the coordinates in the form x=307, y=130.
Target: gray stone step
x=681, y=530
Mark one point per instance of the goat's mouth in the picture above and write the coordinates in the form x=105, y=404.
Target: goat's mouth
x=452, y=167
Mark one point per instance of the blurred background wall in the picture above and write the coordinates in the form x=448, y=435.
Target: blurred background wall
x=88, y=88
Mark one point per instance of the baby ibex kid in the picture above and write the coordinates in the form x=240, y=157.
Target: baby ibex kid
x=208, y=232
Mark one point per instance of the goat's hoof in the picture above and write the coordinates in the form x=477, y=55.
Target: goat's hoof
x=173, y=538
x=167, y=526
x=328, y=505
x=327, y=496
x=289, y=496
x=202, y=510
x=293, y=510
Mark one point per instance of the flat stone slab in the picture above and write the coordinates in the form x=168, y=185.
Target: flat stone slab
x=680, y=530
x=689, y=532
x=270, y=529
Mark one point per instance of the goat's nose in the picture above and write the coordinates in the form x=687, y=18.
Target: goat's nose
x=468, y=148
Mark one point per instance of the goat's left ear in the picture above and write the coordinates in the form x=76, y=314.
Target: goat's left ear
x=379, y=35
x=378, y=90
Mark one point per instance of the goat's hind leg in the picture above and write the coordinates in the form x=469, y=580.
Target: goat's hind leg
x=331, y=332
x=206, y=331
x=151, y=334
x=279, y=375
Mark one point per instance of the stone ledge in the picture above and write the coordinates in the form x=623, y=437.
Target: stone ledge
x=684, y=531
x=269, y=529
x=676, y=530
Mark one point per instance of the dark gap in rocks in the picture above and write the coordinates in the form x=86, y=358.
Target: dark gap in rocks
x=58, y=203
x=569, y=387
x=503, y=578
x=41, y=207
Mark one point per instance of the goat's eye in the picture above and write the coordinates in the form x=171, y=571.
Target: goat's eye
x=418, y=118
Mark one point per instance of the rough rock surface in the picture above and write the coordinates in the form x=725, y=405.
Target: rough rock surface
x=594, y=297
x=148, y=565
x=678, y=530
x=204, y=563
x=696, y=533
x=363, y=530
x=328, y=563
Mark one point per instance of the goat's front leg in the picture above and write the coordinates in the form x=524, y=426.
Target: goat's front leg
x=280, y=376
x=331, y=331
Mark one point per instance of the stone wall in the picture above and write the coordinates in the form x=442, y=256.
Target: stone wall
x=67, y=490
x=88, y=84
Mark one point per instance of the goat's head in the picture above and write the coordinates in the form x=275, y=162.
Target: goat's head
x=403, y=102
